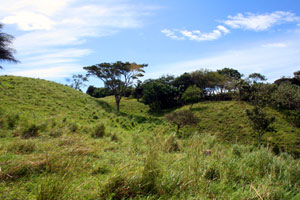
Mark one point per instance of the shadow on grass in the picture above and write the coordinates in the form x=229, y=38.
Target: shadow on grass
x=137, y=118
x=202, y=108
x=105, y=105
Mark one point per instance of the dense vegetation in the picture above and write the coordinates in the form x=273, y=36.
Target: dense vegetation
x=58, y=143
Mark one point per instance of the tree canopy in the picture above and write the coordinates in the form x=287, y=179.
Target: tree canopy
x=117, y=76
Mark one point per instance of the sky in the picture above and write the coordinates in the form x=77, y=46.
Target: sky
x=55, y=39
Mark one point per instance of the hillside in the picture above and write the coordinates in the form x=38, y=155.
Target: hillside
x=228, y=121
x=49, y=149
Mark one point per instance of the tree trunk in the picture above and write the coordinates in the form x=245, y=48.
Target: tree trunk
x=191, y=106
x=259, y=138
x=118, y=99
x=178, y=127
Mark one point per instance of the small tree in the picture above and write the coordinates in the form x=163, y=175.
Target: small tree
x=117, y=76
x=260, y=122
x=78, y=81
x=192, y=95
x=255, y=77
x=182, y=118
x=6, y=51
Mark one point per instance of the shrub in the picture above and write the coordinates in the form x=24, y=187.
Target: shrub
x=12, y=120
x=99, y=131
x=30, y=131
x=182, y=118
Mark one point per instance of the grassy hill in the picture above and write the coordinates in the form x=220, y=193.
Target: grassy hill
x=48, y=149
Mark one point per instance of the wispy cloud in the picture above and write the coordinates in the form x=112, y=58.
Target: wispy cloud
x=260, y=22
x=57, y=26
x=273, y=62
x=196, y=35
x=171, y=34
x=275, y=45
x=248, y=21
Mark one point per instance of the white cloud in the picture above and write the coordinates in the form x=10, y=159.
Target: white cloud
x=249, y=21
x=52, y=31
x=28, y=21
x=276, y=45
x=196, y=35
x=171, y=34
x=273, y=62
x=260, y=22
x=50, y=72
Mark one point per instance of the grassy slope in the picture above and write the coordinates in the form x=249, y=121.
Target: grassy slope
x=139, y=157
x=229, y=122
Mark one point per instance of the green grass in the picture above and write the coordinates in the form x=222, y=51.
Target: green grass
x=138, y=155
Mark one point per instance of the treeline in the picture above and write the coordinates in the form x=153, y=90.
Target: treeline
x=225, y=84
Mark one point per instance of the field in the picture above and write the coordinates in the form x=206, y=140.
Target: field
x=58, y=143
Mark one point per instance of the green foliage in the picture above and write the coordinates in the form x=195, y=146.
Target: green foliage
x=182, y=118
x=12, y=120
x=260, y=122
x=144, y=162
x=287, y=98
x=159, y=95
x=231, y=73
x=192, y=95
x=31, y=130
x=98, y=92
x=117, y=77
x=255, y=77
x=99, y=131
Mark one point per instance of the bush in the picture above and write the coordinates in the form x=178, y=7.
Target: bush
x=99, y=131
x=182, y=118
x=12, y=120
x=30, y=131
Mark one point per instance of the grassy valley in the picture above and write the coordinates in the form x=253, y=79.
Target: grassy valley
x=58, y=143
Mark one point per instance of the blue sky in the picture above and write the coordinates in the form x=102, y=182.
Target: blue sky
x=56, y=38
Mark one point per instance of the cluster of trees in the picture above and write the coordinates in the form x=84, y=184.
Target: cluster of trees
x=189, y=88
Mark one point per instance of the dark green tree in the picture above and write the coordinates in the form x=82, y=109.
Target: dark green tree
x=255, y=77
x=230, y=73
x=117, y=77
x=6, y=51
x=159, y=95
x=192, y=95
x=182, y=118
x=260, y=122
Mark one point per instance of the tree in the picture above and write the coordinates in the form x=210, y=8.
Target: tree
x=159, y=95
x=192, y=95
x=182, y=118
x=260, y=122
x=297, y=74
x=6, y=51
x=255, y=77
x=78, y=81
x=287, y=99
x=98, y=92
x=117, y=76
x=231, y=73
x=138, y=90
